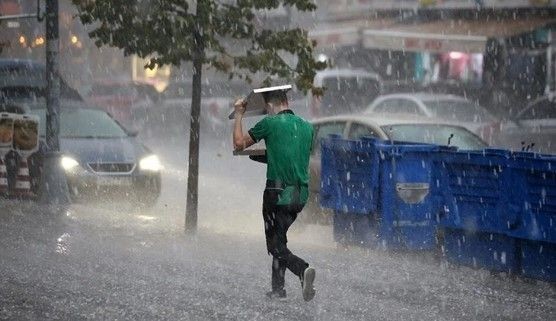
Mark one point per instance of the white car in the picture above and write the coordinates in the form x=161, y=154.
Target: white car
x=448, y=108
x=346, y=91
x=534, y=128
x=402, y=128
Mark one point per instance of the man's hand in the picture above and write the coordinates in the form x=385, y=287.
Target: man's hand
x=239, y=106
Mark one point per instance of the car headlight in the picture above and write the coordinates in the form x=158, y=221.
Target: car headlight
x=150, y=163
x=69, y=163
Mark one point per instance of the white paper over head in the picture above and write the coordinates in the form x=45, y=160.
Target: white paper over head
x=256, y=103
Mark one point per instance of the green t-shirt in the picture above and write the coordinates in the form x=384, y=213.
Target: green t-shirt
x=288, y=139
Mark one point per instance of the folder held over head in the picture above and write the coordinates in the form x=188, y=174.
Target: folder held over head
x=256, y=102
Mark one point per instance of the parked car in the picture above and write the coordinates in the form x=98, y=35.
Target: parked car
x=216, y=103
x=534, y=127
x=130, y=103
x=404, y=127
x=448, y=108
x=101, y=158
x=22, y=79
x=346, y=91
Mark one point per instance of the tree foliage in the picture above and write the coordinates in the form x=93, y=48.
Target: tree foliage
x=173, y=31
x=222, y=34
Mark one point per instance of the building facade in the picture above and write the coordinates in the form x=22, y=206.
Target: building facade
x=497, y=52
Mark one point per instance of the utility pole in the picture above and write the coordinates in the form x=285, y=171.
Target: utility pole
x=54, y=188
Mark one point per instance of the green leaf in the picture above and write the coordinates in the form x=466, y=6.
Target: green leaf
x=228, y=36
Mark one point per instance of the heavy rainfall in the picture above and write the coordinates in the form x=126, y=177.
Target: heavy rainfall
x=431, y=172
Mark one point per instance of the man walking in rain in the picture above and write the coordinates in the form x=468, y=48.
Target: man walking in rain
x=288, y=140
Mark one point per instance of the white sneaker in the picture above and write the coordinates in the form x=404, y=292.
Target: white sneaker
x=307, y=284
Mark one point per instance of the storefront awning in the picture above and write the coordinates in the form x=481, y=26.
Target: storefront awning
x=449, y=35
x=337, y=37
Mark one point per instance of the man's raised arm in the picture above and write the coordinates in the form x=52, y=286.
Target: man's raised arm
x=241, y=141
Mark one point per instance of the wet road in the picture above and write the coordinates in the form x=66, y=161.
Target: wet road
x=110, y=262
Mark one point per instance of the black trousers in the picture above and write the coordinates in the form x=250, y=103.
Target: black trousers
x=277, y=220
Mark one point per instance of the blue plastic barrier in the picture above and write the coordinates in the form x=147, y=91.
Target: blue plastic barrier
x=407, y=207
x=534, y=201
x=475, y=191
x=476, y=211
x=496, y=207
x=348, y=177
x=389, y=180
x=496, y=252
x=538, y=260
x=328, y=185
x=534, y=196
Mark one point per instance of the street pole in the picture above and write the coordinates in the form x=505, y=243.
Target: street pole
x=53, y=81
x=54, y=188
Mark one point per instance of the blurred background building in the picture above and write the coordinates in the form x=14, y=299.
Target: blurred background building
x=496, y=52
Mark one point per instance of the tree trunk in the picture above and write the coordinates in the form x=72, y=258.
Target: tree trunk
x=52, y=76
x=194, y=134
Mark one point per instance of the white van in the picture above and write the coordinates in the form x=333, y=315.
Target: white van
x=346, y=91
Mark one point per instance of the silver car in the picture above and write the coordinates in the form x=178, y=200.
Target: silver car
x=534, y=128
x=448, y=108
x=403, y=127
x=347, y=91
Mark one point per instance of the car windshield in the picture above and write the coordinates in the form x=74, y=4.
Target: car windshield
x=457, y=110
x=83, y=123
x=435, y=134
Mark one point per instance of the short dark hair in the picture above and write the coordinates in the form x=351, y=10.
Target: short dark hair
x=275, y=97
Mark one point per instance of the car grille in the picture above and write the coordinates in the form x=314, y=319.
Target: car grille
x=112, y=167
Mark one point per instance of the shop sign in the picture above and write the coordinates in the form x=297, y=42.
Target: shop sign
x=423, y=44
x=335, y=37
x=13, y=24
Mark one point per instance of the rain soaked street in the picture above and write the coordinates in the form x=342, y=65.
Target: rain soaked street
x=110, y=262
x=432, y=130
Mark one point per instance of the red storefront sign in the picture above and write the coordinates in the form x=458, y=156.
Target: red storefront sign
x=423, y=44
x=9, y=8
